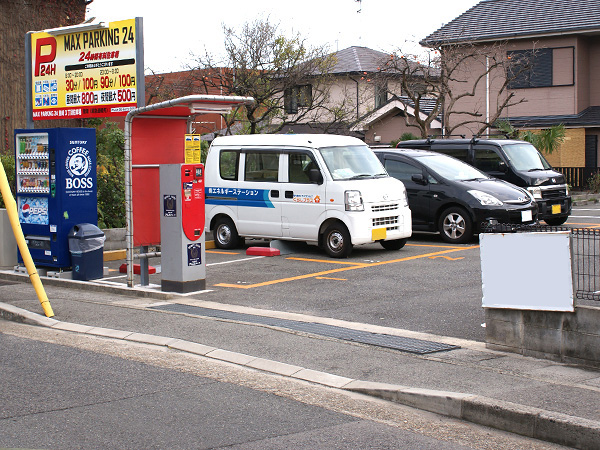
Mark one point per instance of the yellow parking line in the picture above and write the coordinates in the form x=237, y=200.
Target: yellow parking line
x=342, y=269
x=331, y=278
x=329, y=261
x=432, y=245
x=447, y=257
x=222, y=253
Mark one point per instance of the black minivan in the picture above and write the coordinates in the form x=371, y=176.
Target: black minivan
x=517, y=162
x=454, y=198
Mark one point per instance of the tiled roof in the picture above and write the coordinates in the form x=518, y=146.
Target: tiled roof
x=426, y=104
x=509, y=19
x=359, y=59
x=589, y=117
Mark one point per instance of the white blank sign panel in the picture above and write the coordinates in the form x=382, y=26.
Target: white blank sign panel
x=527, y=271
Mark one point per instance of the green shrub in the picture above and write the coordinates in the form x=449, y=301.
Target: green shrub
x=8, y=161
x=110, y=147
x=594, y=183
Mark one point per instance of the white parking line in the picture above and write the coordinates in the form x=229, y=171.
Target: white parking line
x=235, y=260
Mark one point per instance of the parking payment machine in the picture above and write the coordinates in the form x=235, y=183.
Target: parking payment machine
x=183, y=266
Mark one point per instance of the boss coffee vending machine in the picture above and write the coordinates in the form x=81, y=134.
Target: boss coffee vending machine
x=55, y=189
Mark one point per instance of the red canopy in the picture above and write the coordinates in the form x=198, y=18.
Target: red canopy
x=157, y=136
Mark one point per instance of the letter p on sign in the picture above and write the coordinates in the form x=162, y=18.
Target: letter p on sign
x=47, y=57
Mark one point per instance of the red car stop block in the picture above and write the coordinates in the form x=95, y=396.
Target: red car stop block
x=263, y=251
x=136, y=269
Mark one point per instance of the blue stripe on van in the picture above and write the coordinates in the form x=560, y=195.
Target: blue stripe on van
x=254, y=198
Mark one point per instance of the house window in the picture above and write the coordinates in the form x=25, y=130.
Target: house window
x=297, y=97
x=381, y=95
x=541, y=68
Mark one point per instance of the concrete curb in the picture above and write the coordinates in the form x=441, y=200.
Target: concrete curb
x=524, y=420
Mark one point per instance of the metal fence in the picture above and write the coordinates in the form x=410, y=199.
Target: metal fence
x=585, y=245
x=578, y=177
x=586, y=263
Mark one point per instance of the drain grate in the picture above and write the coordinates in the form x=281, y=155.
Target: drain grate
x=400, y=343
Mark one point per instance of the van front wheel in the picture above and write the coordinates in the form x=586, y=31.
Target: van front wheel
x=336, y=241
x=225, y=234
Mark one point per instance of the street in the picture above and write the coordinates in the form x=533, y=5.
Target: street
x=69, y=391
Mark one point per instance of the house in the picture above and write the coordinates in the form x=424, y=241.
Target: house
x=558, y=84
x=363, y=99
x=374, y=109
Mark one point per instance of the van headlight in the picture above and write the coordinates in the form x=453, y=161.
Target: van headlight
x=536, y=192
x=485, y=198
x=354, y=201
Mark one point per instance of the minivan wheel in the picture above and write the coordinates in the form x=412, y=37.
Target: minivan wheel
x=336, y=241
x=455, y=225
x=555, y=221
x=225, y=234
x=396, y=244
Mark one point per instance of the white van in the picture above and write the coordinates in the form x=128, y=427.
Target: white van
x=326, y=190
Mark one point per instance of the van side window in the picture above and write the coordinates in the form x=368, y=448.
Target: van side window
x=261, y=166
x=401, y=170
x=487, y=160
x=228, y=164
x=458, y=153
x=299, y=167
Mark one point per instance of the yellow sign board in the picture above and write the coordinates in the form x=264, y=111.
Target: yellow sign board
x=89, y=73
x=193, y=149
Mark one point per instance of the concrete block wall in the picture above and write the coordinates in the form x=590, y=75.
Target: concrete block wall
x=572, y=338
x=115, y=239
x=8, y=243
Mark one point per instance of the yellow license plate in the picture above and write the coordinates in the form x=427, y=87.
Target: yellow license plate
x=378, y=233
x=555, y=209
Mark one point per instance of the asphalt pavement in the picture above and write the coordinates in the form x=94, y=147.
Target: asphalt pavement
x=455, y=377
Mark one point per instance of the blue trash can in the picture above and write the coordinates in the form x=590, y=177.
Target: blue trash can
x=86, y=246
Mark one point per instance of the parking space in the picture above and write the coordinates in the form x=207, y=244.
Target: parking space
x=428, y=286
x=399, y=289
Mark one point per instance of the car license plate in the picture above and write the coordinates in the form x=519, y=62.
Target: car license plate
x=378, y=233
x=526, y=216
x=555, y=209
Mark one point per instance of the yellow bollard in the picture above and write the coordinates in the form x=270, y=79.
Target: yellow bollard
x=11, y=209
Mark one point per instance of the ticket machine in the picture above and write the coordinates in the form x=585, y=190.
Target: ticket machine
x=183, y=266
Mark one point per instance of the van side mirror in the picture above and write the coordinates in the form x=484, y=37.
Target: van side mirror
x=314, y=175
x=502, y=167
x=419, y=179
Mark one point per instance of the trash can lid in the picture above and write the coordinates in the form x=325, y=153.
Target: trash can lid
x=85, y=230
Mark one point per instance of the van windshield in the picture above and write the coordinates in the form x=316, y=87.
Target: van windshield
x=525, y=157
x=352, y=162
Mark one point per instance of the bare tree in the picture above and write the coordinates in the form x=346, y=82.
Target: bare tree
x=289, y=81
x=466, y=84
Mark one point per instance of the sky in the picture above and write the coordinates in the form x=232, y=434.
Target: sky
x=176, y=28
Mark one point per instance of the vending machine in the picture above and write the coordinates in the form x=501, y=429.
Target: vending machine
x=55, y=189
